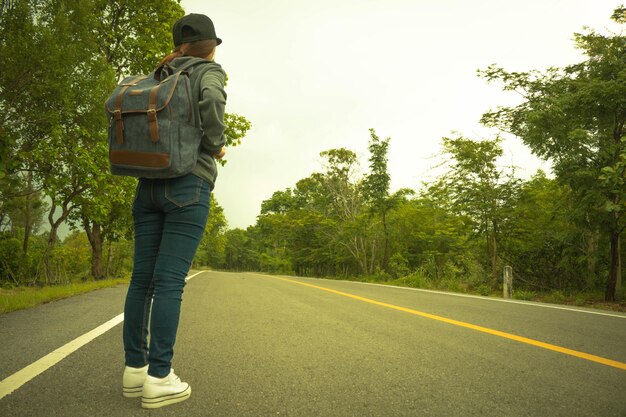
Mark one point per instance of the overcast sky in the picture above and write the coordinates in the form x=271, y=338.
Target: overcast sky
x=316, y=75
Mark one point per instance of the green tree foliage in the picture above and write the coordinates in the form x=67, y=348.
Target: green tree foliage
x=476, y=187
x=547, y=247
x=574, y=117
x=461, y=229
x=212, y=249
x=52, y=126
x=331, y=223
x=239, y=251
x=431, y=238
x=61, y=126
x=376, y=189
x=134, y=35
x=443, y=238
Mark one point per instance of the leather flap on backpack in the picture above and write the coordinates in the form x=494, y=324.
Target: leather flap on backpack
x=146, y=94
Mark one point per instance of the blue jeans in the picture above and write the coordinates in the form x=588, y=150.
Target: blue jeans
x=170, y=216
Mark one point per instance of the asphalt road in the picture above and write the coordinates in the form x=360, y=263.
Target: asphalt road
x=254, y=345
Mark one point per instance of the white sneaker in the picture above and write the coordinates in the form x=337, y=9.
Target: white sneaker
x=132, y=382
x=158, y=392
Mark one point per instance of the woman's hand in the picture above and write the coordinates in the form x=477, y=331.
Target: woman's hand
x=221, y=154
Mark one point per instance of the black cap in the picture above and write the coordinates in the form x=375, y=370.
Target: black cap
x=199, y=25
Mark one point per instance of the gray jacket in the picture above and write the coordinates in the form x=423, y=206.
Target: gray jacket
x=212, y=103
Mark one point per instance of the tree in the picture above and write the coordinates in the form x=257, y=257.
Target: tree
x=57, y=118
x=211, y=250
x=240, y=252
x=132, y=37
x=479, y=189
x=52, y=128
x=430, y=236
x=376, y=186
x=346, y=204
x=574, y=117
x=547, y=247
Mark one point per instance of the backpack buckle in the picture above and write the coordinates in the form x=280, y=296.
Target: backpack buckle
x=154, y=126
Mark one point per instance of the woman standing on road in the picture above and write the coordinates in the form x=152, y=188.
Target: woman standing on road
x=170, y=216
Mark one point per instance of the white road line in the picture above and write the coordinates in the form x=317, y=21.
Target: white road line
x=501, y=300
x=13, y=382
x=197, y=273
x=21, y=377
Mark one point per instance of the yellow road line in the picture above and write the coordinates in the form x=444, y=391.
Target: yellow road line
x=582, y=355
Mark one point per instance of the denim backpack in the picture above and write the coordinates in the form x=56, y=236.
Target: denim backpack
x=154, y=123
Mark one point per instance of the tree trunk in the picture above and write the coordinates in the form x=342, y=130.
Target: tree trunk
x=385, y=260
x=614, y=283
x=107, y=271
x=54, y=228
x=94, y=234
x=615, y=272
x=28, y=213
x=47, y=257
x=361, y=254
x=494, y=254
x=372, y=251
x=590, y=249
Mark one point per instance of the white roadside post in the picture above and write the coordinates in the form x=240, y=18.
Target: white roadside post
x=507, y=287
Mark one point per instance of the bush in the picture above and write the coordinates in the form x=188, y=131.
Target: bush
x=414, y=280
x=484, y=289
x=10, y=259
x=275, y=265
x=120, y=261
x=555, y=297
x=398, y=266
x=524, y=295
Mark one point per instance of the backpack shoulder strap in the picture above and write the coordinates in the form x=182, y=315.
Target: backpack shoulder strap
x=191, y=63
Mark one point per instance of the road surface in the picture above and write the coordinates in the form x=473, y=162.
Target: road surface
x=257, y=345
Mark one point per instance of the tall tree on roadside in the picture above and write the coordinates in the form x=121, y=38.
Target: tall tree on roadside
x=476, y=187
x=346, y=205
x=574, y=117
x=132, y=37
x=56, y=119
x=212, y=248
x=376, y=186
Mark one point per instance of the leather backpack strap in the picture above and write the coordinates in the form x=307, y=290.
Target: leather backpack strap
x=191, y=63
x=152, y=115
x=117, y=113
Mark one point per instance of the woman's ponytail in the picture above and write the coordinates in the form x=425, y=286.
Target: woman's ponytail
x=176, y=53
x=199, y=49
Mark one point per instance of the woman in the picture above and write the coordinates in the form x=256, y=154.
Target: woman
x=169, y=219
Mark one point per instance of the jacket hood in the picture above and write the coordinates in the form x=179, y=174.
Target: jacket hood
x=179, y=62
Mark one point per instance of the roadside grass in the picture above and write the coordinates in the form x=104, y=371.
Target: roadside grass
x=19, y=298
x=588, y=299
x=581, y=299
